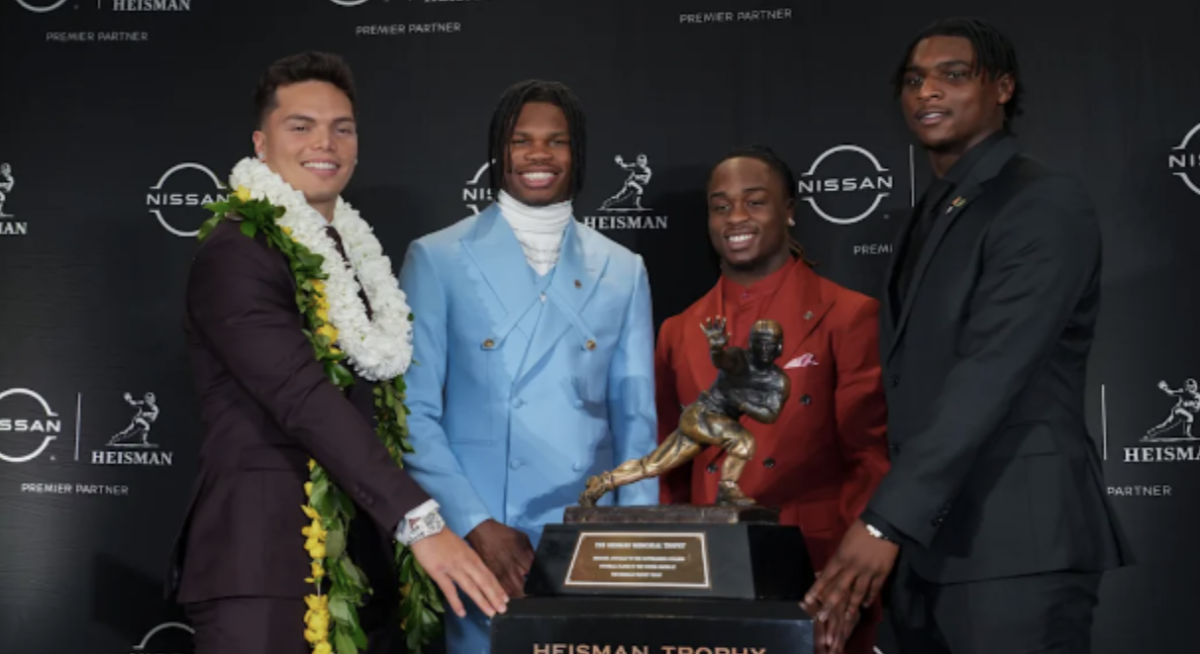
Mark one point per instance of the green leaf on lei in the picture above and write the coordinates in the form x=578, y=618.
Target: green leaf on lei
x=343, y=643
x=335, y=543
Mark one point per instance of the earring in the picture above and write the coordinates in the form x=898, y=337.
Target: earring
x=791, y=223
x=261, y=156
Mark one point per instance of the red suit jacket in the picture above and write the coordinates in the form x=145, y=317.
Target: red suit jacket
x=821, y=461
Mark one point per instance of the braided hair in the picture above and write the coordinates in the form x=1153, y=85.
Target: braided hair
x=504, y=120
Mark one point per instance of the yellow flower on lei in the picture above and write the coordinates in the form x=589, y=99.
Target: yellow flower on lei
x=327, y=330
x=243, y=194
x=316, y=619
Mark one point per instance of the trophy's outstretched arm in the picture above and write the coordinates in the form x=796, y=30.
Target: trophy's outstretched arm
x=723, y=358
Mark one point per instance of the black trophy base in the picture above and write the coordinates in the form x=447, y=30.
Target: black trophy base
x=650, y=626
x=732, y=554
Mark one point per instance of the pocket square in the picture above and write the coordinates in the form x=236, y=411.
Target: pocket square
x=802, y=361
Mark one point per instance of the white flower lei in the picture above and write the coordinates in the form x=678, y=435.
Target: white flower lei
x=378, y=349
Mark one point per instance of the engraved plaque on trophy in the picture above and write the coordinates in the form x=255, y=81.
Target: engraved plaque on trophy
x=647, y=559
x=671, y=551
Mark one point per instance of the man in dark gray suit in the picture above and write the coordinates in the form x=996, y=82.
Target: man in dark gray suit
x=994, y=513
x=267, y=406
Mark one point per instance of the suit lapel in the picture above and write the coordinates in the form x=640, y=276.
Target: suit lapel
x=494, y=249
x=962, y=198
x=575, y=279
x=899, y=243
x=798, y=307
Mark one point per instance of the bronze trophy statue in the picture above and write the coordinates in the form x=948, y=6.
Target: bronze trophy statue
x=748, y=383
x=727, y=573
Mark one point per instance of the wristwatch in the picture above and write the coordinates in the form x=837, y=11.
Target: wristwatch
x=425, y=526
x=878, y=534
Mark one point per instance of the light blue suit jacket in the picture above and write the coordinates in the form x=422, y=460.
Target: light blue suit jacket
x=523, y=386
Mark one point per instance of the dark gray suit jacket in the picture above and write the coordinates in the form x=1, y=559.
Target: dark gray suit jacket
x=267, y=407
x=993, y=471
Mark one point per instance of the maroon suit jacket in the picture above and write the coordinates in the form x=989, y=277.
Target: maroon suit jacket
x=267, y=407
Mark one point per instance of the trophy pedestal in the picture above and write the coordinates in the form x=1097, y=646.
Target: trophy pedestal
x=662, y=580
x=574, y=625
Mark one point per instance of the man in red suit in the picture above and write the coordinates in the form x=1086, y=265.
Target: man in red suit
x=821, y=460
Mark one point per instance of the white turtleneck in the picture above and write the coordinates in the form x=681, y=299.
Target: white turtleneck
x=539, y=229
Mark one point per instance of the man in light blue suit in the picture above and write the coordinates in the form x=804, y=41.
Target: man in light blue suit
x=534, y=350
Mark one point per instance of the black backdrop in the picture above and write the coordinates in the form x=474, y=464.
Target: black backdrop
x=115, y=115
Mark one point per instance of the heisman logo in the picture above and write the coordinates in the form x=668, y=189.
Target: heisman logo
x=137, y=434
x=1183, y=414
x=131, y=445
x=629, y=199
x=1172, y=439
x=838, y=178
x=9, y=227
x=159, y=198
x=634, y=187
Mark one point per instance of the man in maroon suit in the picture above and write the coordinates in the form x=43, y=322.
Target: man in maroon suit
x=239, y=563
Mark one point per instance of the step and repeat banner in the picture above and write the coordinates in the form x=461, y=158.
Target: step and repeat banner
x=120, y=118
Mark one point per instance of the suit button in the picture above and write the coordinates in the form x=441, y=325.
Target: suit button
x=517, y=403
x=578, y=404
x=769, y=463
x=712, y=467
x=895, y=380
x=577, y=466
x=489, y=344
x=805, y=399
x=515, y=463
x=591, y=345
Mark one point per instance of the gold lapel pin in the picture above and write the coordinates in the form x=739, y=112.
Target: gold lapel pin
x=958, y=202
